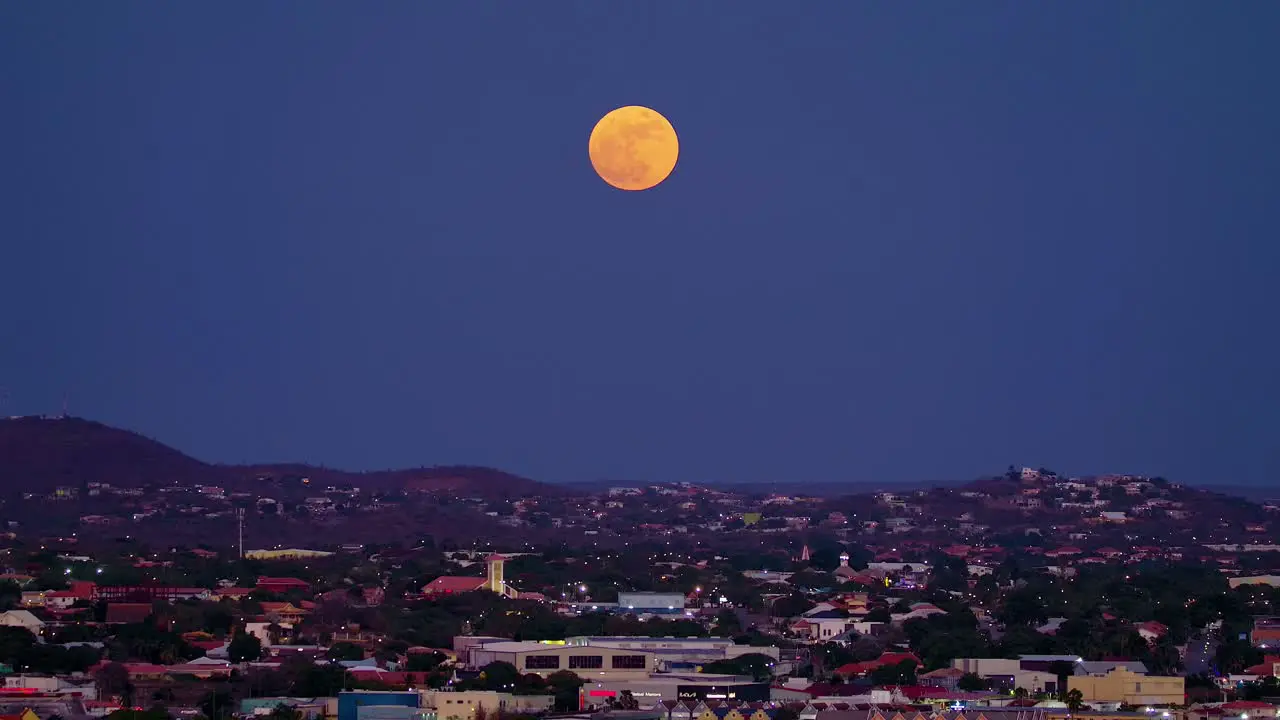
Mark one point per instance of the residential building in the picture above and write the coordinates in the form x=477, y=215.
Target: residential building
x=148, y=593
x=23, y=619
x=282, y=585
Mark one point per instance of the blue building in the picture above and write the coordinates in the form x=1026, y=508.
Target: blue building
x=380, y=705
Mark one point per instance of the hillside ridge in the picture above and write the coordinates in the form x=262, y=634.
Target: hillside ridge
x=41, y=453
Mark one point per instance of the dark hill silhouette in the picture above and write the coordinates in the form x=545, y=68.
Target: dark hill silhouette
x=40, y=454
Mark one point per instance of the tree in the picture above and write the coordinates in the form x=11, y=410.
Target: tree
x=1165, y=658
x=1267, y=687
x=727, y=623
x=903, y=673
x=244, y=648
x=1233, y=656
x=785, y=713
x=879, y=615
x=1074, y=699
x=866, y=648
x=499, y=676
x=345, y=651
x=307, y=679
x=949, y=573
x=790, y=606
x=970, y=682
x=217, y=705
x=424, y=661
x=565, y=685
x=284, y=712
x=1022, y=607
x=112, y=679
x=757, y=665
x=939, y=639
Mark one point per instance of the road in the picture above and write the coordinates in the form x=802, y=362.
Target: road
x=1201, y=649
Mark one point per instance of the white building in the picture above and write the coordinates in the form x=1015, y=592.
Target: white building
x=464, y=705
x=23, y=619
x=586, y=662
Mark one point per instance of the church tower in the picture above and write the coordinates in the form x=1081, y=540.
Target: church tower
x=496, y=582
x=804, y=554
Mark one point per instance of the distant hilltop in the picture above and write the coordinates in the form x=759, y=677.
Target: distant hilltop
x=39, y=454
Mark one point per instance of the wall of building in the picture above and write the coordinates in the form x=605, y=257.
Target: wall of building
x=650, y=601
x=51, y=685
x=586, y=662
x=463, y=705
x=660, y=688
x=349, y=703
x=1123, y=686
x=983, y=667
x=1036, y=681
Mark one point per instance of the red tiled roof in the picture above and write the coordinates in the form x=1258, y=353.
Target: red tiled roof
x=206, y=645
x=283, y=582
x=127, y=612
x=1266, y=667
x=145, y=668
x=453, y=584
x=918, y=692
x=889, y=658
x=389, y=677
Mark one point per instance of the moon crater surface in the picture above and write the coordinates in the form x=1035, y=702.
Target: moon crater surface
x=633, y=148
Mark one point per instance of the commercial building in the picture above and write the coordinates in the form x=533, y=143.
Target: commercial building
x=376, y=705
x=587, y=662
x=676, y=653
x=82, y=687
x=1006, y=674
x=446, y=705
x=659, y=688
x=148, y=593
x=308, y=708
x=651, y=603
x=1127, y=687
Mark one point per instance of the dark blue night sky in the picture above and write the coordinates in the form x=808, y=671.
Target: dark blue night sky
x=904, y=241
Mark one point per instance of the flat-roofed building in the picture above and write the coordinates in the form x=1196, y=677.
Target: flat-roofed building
x=467, y=705
x=673, y=652
x=587, y=662
x=1125, y=686
x=659, y=688
x=651, y=603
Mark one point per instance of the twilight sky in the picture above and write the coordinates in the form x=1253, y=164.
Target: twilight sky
x=904, y=241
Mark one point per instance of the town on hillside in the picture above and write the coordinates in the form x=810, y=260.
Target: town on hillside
x=1022, y=596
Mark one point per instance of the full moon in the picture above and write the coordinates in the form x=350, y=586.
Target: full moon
x=633, y=148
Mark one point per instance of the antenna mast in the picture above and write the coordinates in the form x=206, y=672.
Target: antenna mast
x=240, y=519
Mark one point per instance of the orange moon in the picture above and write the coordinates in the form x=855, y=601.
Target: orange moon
x=633, y=148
